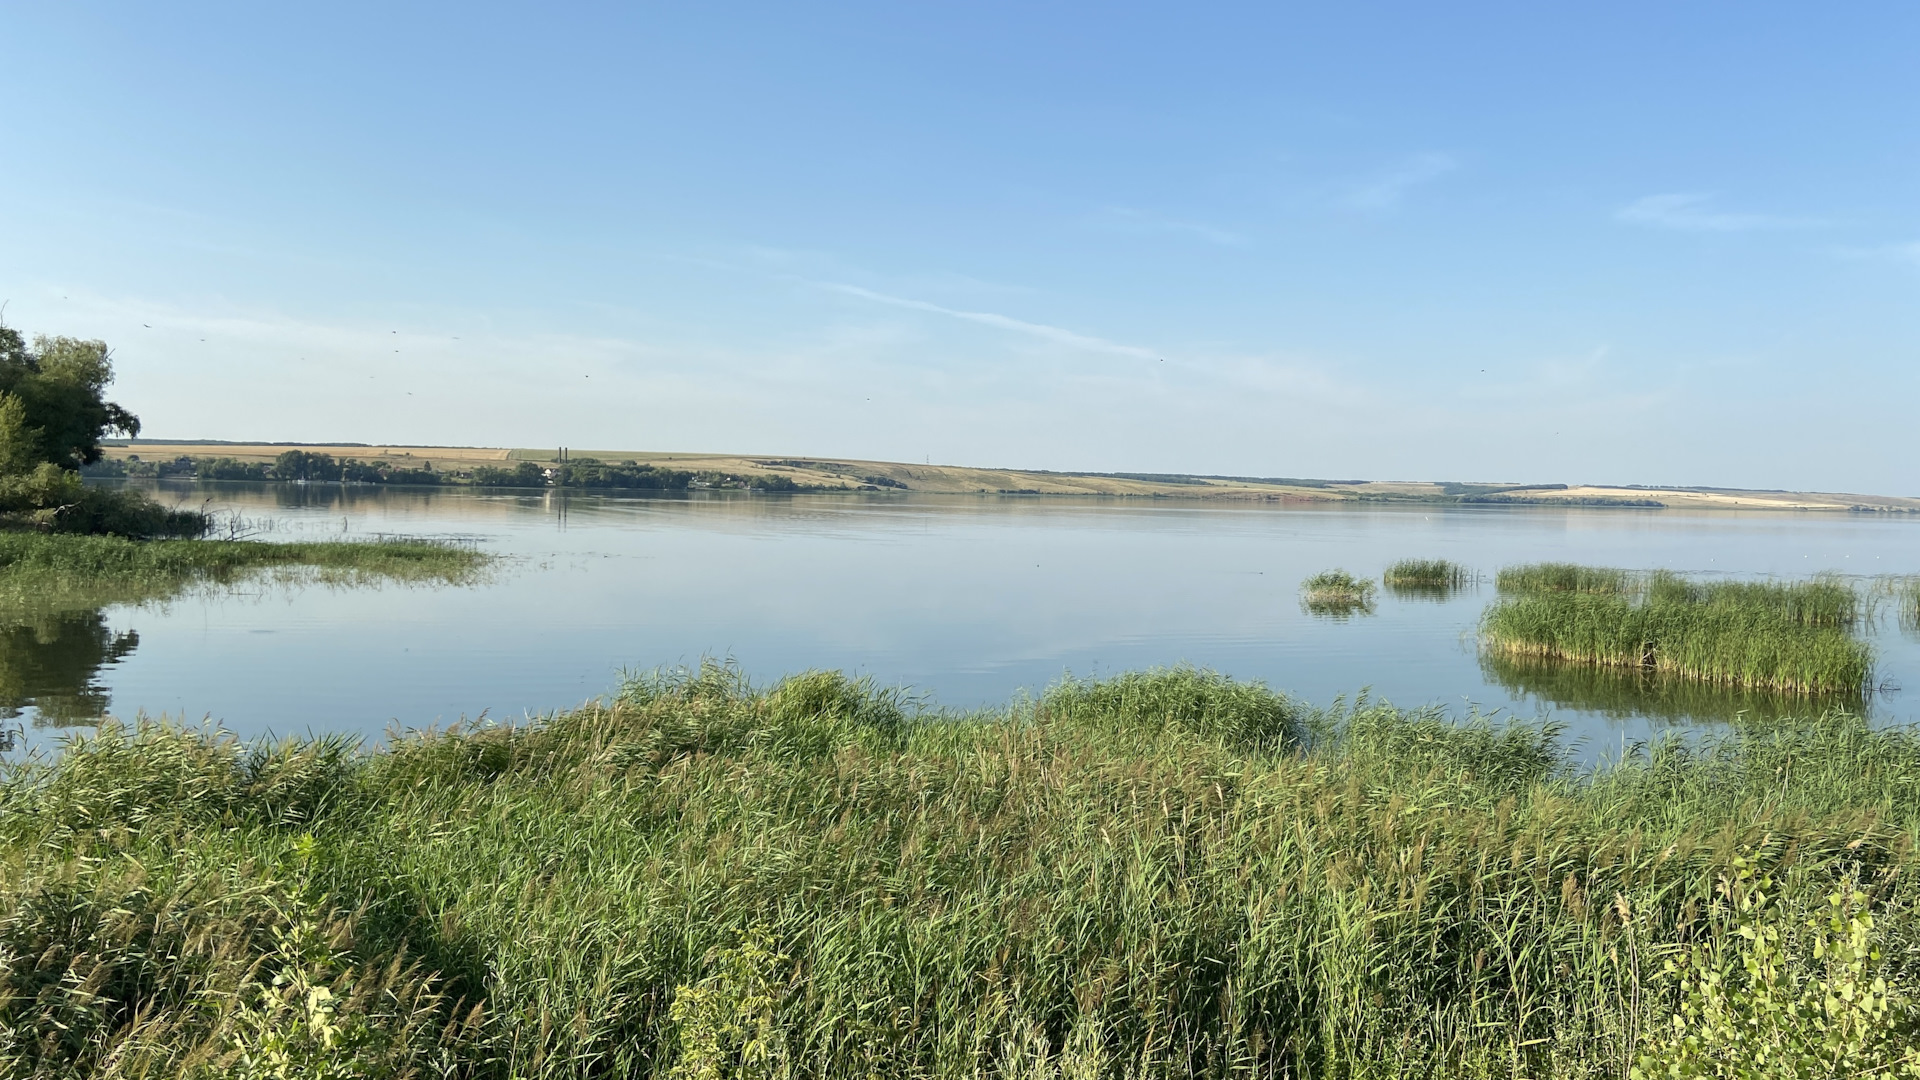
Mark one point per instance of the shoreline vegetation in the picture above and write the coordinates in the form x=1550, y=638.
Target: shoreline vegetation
x=55, y=589
x=1792, y=637
x=1160, y=874
x=652, y=471
x=42, y=572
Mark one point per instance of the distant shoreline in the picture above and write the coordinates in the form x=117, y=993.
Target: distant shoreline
x=852, y=474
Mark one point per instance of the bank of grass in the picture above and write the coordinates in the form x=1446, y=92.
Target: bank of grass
x=1161, y=874
x=1787, y=636
x=40, y=571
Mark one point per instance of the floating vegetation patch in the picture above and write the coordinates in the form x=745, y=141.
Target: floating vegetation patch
x=1337, y=593
x=1417, y=578
x=1790, y=637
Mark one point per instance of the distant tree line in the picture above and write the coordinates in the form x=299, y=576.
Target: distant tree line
x=293, y=465
x=585, y=473
x=591, y=473
x=302, y=466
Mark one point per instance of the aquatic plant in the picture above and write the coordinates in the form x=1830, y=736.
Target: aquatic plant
x=1906, y=598
x=42, y=573
x=1552, y=577
x=1783, y=636
x=1168, y=874
x=1426, y=573
x=1336, y=592
x=1425, y=578
x=1640, y=693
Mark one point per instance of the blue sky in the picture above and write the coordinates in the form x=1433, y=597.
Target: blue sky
x=1647, y=243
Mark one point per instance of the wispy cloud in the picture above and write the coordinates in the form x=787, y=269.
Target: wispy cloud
x=1700, y=212
x=1055, y=334
x=1903, y=254
x=1389, y=189
x=1128, y=219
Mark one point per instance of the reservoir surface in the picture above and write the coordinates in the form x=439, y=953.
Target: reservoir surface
x=966, y=601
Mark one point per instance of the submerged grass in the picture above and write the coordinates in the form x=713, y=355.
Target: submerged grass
x=42, y=572
x=1790, y=636
x=1164, y=874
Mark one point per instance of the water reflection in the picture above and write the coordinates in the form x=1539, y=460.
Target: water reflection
x=969, y=600
x=1437, y=593
x=1339, y=610
x=52, y=665
x=1634, y=694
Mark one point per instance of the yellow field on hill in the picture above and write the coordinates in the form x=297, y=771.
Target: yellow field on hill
x=853, y=473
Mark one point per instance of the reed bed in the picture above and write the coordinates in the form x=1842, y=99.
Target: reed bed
x=1336, y=592
x=1427, y=573
x=1417, y=578
x=1906, y=598
x=1790, y=637
x=42, y=572
x=1163, y=874
x=1551, y=577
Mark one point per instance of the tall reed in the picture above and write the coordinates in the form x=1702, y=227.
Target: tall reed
x=1783, y=636
x=1167, y=874
x=1906, y=595
x=1551, y=577
x=1426, y=574
x=1336, y=592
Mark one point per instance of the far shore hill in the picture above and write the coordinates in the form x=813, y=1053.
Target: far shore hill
x=850, y=474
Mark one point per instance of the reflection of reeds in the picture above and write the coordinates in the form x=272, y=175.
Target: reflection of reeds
x=1784, y=636
x=1630, y=693
x=1337, y=593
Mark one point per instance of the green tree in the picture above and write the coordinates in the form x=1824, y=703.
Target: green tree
x=53, y=414
x=60, y=383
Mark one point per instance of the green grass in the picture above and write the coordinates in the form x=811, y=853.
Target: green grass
x=41, y=573
x=1790, y=637
x=1426, y=577
x=1336, y=592
x=1552, y=577
x=1163, y=874
x=1906, y=599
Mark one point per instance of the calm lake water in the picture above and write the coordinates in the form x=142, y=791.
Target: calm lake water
x=967, y=600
